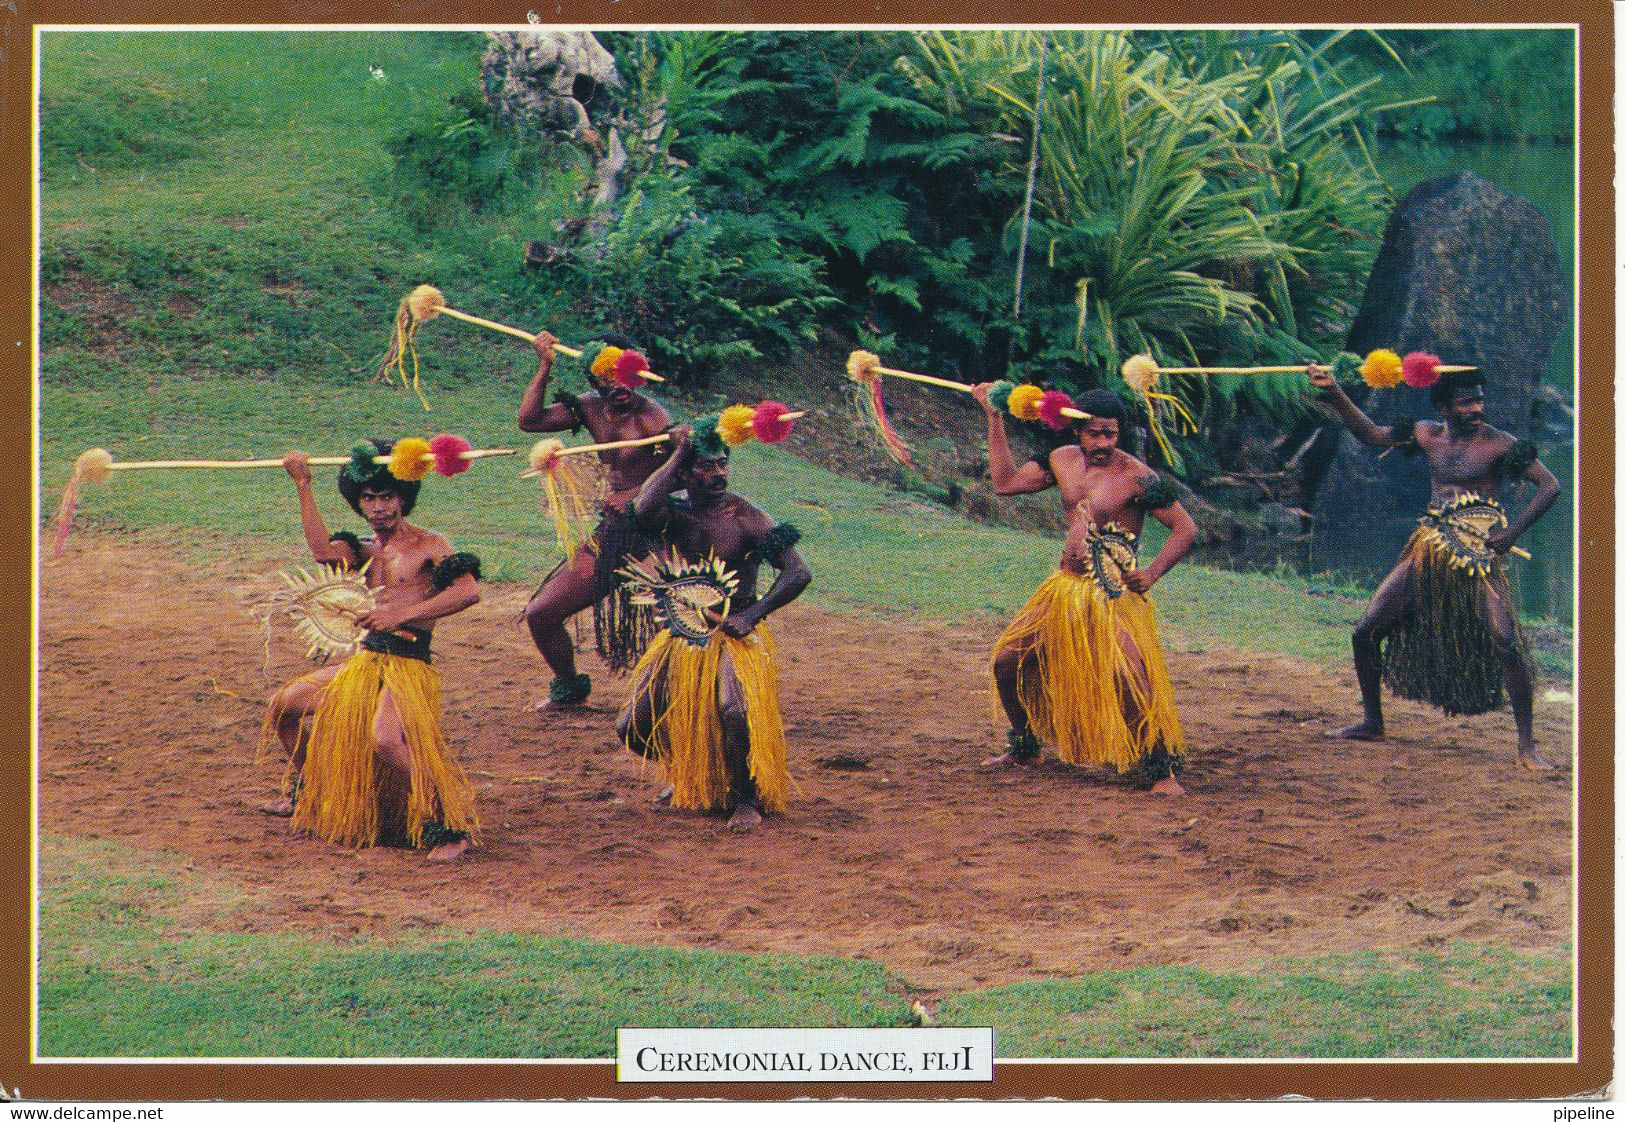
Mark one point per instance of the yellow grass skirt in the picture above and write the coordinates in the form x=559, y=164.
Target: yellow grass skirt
x=338, y=793
x=686, y=737
x=1076, y=675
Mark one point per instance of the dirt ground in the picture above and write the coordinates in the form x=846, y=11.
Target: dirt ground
x=900, y=849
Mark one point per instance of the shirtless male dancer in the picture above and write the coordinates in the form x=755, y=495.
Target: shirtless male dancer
x=1081, y=664
x=706, y=706
x=1440, y=630
x=372, y=765
x=609, y=412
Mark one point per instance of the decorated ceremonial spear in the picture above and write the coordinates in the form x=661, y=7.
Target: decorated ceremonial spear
x=1381, y=369
x=410, y=459
x=566, y=488
x=1027, y=402
x=629, y=368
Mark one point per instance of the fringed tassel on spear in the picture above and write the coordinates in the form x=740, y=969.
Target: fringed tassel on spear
x=411, y=458
x=426, y=301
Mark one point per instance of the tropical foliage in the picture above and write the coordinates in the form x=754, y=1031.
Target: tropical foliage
x=1200, y=196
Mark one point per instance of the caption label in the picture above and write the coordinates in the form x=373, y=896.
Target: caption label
x=917, y=1055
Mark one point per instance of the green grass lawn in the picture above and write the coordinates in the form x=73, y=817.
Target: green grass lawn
x=119, y=976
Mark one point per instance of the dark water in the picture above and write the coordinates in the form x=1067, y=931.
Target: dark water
x=1545, y=175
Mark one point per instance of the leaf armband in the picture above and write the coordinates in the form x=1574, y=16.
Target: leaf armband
x=349, y=539
x=1519, y=459
x=776, y=541
x=1159, y=493
x=1402, y=431
x=573, y=403
x=452, y=567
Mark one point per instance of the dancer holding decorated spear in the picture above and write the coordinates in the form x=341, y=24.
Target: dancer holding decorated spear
x=704, y=698
x=373, y=765
x=1442, y=627
x=612, y=412
x=1081, y=664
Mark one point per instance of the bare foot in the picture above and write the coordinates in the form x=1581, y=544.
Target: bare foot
x=746, y=816
x=664, y=798
x=1531, y=760
x=1168, y=785
x=281, y=808
x=1365, y=730
x=1009, y=759
x=448, y=851
x=548, y=706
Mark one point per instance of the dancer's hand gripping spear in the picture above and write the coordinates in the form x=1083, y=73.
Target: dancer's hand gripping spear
x=567, y=486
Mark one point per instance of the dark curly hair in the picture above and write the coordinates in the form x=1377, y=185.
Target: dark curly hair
x=354, y=478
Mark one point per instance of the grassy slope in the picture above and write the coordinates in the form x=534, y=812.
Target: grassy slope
x=221, y=297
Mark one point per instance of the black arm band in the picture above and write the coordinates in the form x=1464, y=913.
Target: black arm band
x=449, y=569
x=776, y=541
x=573, y=403
x=1402, y=431
x=1519, y=459
x=350, y=540
x=1159, y=493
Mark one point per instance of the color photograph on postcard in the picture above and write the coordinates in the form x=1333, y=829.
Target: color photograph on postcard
x=1066, y=531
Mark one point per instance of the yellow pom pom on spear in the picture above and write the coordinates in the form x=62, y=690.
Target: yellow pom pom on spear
x=1029, y=403
x=425, y=302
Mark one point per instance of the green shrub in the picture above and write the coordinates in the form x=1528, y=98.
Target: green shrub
x=696, y=290
x=458, y=162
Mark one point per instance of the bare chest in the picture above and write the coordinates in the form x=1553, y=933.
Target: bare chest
x=1463, y=464
x=698, y=536
x=400, y=572
x=1101, y=497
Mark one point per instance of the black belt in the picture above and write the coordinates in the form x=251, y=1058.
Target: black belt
x=411, y=644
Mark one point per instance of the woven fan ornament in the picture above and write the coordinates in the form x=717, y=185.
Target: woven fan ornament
x=325, y=607
x=1112, y=553
x=690, y=598
x=1463, y=527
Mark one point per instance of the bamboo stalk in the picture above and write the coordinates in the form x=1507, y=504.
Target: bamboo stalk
x=608, y=445
x=1273, y=369
x=519, y=333
x=926, y=378
x=516, y=332
x=314, y=461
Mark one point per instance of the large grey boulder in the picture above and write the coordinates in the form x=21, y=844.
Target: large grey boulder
x=1467, y=272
